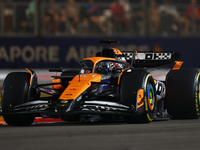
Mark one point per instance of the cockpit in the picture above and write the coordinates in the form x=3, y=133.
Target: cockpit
x=105, y=67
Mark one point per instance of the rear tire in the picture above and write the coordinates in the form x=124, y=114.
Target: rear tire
x=130, y=83
x=183, y=94
x=15, y=92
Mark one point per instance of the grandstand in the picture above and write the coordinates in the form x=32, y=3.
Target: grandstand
x=130, y=18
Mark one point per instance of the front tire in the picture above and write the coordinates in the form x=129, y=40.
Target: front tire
x=130, y=84
x=15, y=92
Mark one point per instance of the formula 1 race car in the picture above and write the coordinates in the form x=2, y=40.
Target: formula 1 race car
x=113, y=84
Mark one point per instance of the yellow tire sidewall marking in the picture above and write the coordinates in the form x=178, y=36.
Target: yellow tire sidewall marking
x=197, y=96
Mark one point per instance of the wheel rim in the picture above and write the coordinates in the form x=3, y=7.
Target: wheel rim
x=151, y=97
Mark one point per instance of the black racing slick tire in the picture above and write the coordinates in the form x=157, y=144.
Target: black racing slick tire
x=130, y=85
x=183, y=94
x=15, y=92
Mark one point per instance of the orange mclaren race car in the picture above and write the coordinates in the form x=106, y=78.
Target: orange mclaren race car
x=112, y=85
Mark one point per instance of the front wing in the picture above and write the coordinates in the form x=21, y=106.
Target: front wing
x=42, y=107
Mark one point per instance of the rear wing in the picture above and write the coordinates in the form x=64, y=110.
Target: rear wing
x=150, y=59
x=139, y=59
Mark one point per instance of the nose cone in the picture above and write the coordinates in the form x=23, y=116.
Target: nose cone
x=78, y=85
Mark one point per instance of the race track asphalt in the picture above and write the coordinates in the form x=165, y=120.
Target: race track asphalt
x=158, y=135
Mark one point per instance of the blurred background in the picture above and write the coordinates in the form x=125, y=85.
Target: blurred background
x=59, y=33
x=99, y=18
